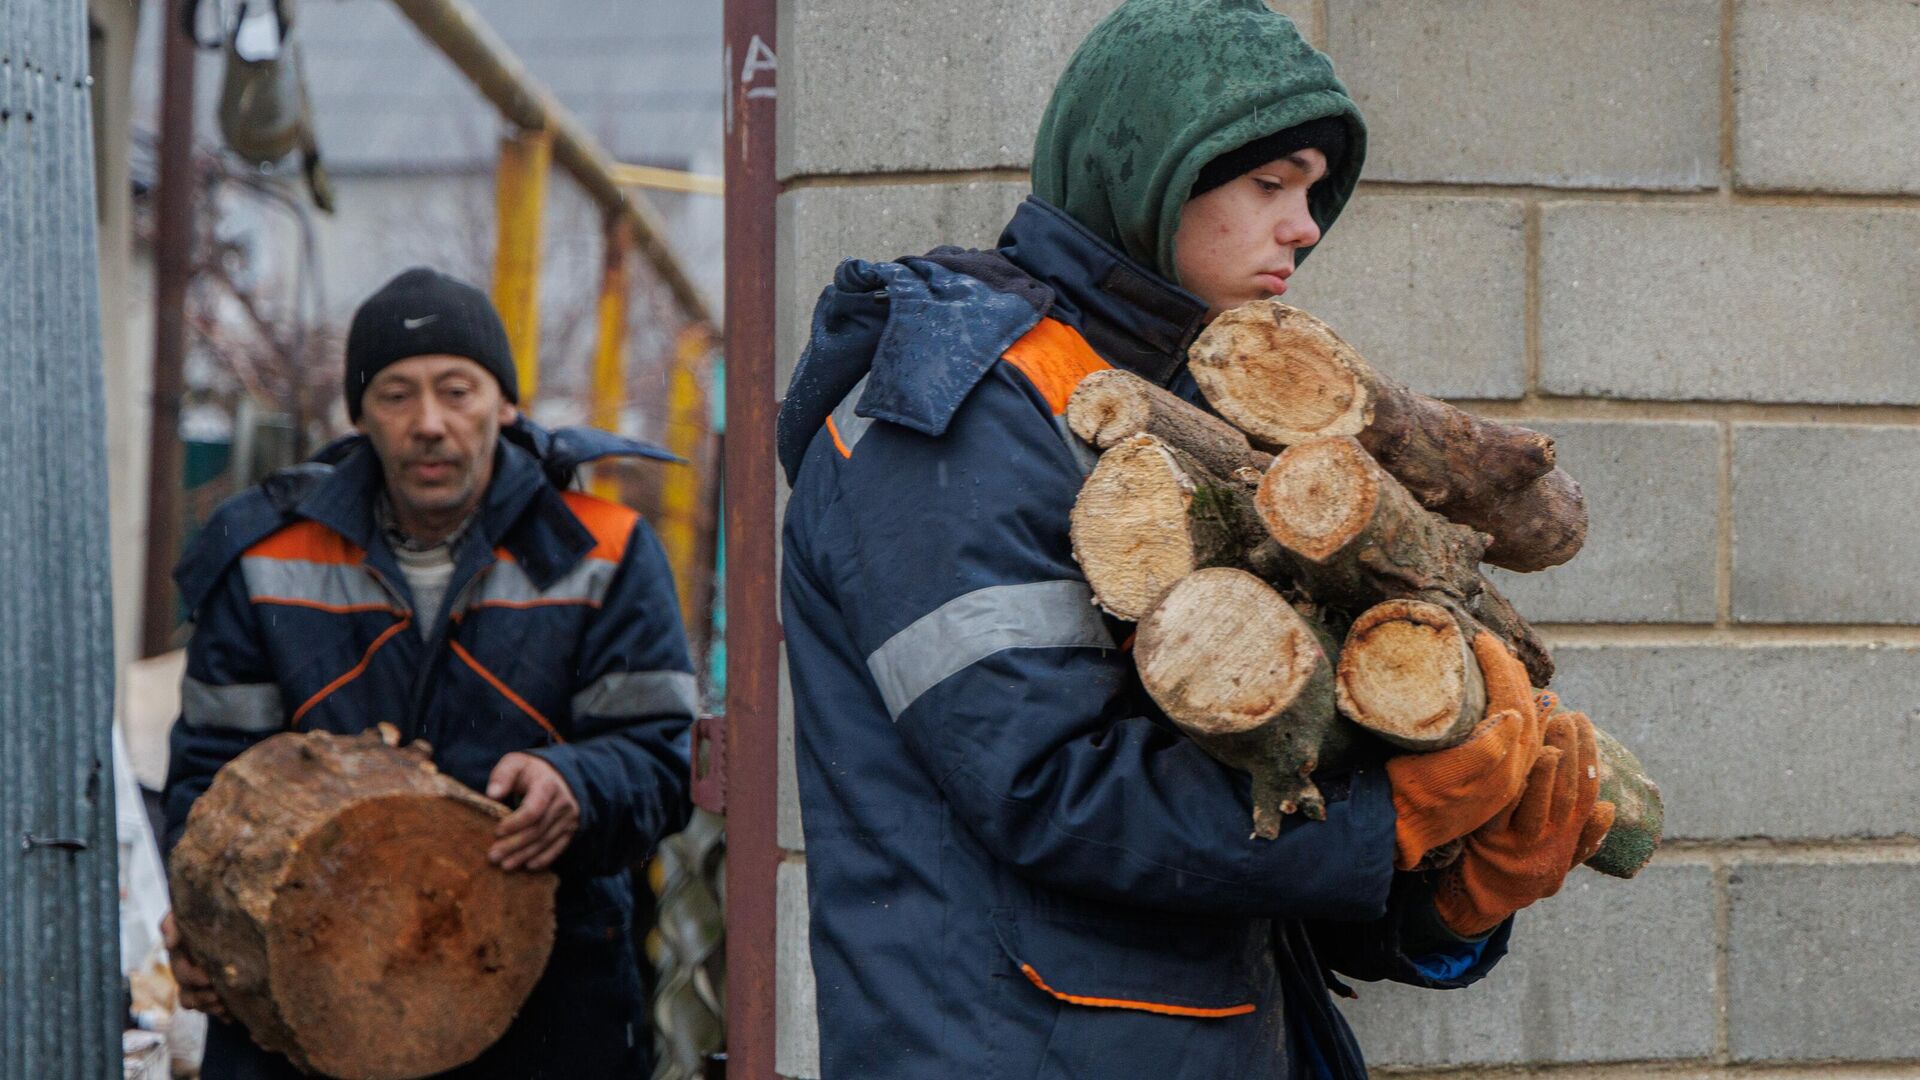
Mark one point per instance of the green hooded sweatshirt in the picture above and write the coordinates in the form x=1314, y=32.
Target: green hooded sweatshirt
x=1162, y=87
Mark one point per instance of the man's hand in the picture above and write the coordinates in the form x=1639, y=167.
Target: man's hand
x=196, y=989
x=535, y=834
x=1526, y=851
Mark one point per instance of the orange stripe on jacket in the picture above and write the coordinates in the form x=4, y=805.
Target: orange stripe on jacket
x=505, y=690
x=308, y=541
x=1142, y=1006
x=610, y=523
x=352, y=673
x=833, y=429
x=1054, y=357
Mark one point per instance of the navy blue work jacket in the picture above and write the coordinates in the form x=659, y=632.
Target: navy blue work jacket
x=559, y=635
x=1016, y=866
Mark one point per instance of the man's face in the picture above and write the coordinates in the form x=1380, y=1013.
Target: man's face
x=1235, y=243
x=434, y=421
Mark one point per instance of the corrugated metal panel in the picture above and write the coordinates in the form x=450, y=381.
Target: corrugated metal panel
x=59, y=998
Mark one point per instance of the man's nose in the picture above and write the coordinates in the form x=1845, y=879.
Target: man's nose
x=1298, y=229
x=431, y=421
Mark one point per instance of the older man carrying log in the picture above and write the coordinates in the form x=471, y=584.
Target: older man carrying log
x=1016, y=865
x=435, y=573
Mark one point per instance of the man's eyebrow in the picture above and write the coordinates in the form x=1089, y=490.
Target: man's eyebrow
x=1299, y=160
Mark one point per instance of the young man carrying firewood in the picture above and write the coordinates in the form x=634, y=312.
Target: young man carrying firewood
x=435, y=573
x=1016, y=866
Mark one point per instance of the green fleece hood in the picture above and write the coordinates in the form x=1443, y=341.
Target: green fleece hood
x=1160, y=88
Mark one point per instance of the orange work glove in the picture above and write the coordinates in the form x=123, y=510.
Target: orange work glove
x=1526, y=851
x=1442, y=796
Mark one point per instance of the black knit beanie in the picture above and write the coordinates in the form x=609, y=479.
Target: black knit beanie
x=421, y=313
x=1327, y=135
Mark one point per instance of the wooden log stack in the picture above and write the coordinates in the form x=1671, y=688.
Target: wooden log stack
x=337, y=891
x=1305, y=566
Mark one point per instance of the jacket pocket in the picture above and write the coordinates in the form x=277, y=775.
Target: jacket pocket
x=1172, y=968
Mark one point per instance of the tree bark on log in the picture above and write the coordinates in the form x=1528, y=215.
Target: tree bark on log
x=1359, y=537
x=1396, y=676
x=1242, y=673
x=1285, y=377
x=1109, y=407
x=1639, y=816
x=1149, y=515
x=337, y=890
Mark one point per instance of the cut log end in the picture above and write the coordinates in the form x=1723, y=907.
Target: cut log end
x=1223, y=653
x=1319, y=496
x=1130, y=527
x=443, y=922
x=1408, y=675
x=1109, y=406
x=1281, y=375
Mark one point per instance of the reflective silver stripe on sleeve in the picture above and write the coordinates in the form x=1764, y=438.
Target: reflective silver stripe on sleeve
x=321, y=584
x=639, y=693
x=506, y=585
x=1085, y=457
x=238, y=707
x=851, y=426
x=968, y=629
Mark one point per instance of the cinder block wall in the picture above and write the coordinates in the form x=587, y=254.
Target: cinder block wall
x=1680, y=236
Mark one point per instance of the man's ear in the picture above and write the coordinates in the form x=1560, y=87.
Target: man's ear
x=509, y=412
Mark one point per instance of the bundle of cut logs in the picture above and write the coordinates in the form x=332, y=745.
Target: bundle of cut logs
x=337, y=891
x=1294, y=605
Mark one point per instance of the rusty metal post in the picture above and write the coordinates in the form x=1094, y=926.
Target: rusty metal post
x=172, y=271
x=753, y=639
x=609, y=388
x=521, y=203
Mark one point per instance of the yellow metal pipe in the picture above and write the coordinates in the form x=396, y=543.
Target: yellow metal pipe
x=610, y=345
x=647, y=176
x=466, y=39
x=521, y=200
x=679, y=523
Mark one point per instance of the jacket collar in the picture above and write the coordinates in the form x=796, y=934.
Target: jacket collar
x=1132, y=316
x=522, y=512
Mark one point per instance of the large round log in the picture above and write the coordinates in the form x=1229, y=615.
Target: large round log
x=1149, y=515
x=1284, y=377
x=337, y=890
x=1242, y=673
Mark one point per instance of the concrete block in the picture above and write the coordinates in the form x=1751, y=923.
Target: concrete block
x=1305, y=15
x=1559, y=92
x=1651, y=546
x=816, y=228
x=1730, y=303
x=1824, y=522
x=1433, y=290
x=796, y=1043
x=1795, y=742
x=1820, y=961
x=935, y=85
x=1826, y=96
x=792, y=837
x=1607, y=970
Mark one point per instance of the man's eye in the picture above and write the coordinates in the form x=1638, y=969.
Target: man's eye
x=1268, y=187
